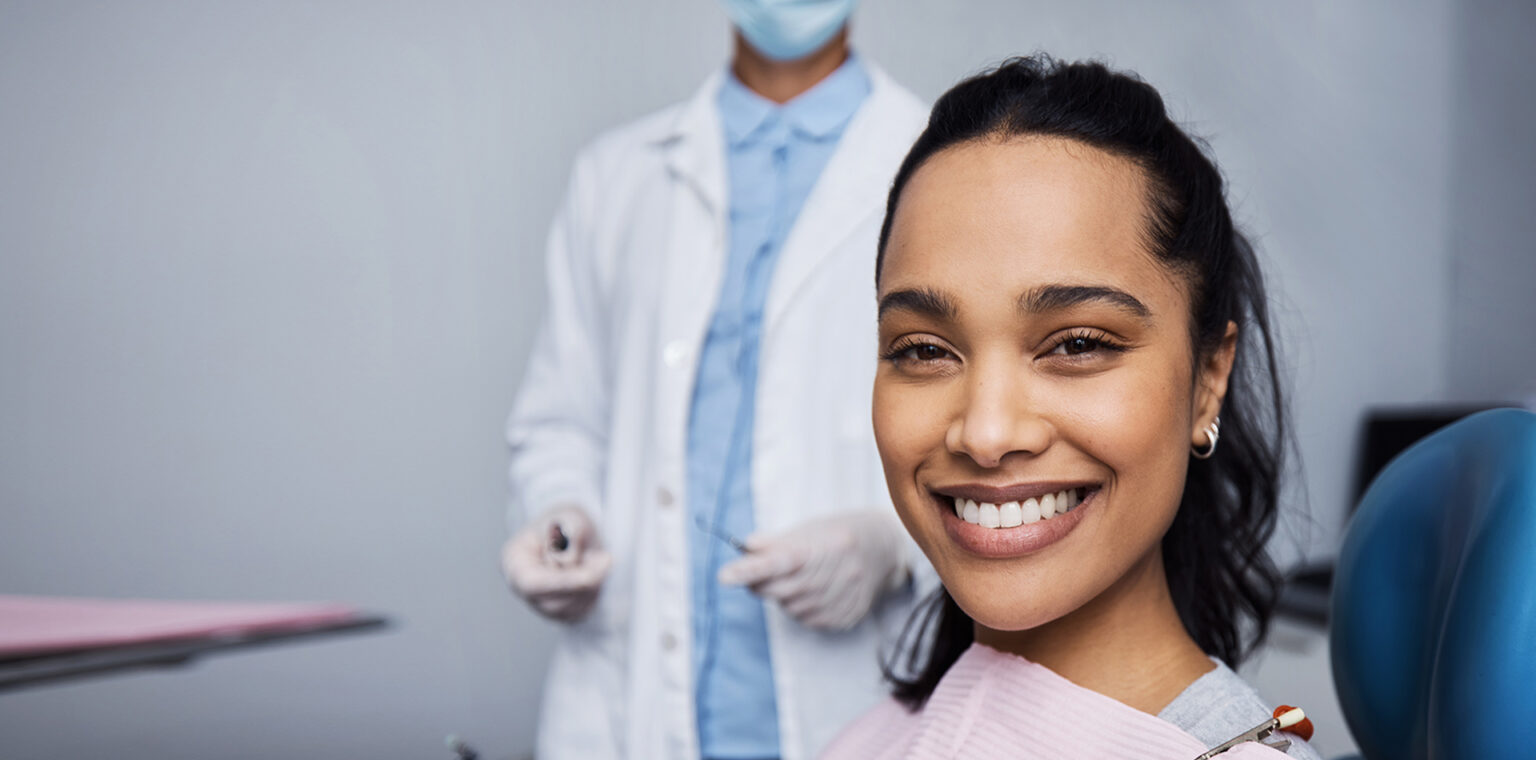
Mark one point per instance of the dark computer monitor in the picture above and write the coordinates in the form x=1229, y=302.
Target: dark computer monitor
x=1388, y=432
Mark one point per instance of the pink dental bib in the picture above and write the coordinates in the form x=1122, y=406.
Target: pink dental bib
x=992, y=705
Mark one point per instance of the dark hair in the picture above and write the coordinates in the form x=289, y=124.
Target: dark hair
x=1222, y=581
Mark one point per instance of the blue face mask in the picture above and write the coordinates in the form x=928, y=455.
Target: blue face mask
x=787, y=30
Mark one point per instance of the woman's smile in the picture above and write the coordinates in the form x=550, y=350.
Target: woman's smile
x=1011, y=521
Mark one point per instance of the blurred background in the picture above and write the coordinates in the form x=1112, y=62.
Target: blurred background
x=269, y=272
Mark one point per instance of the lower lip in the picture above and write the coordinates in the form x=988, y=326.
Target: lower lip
x=997, y=543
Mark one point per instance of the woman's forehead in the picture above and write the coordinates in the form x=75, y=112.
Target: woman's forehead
x=1009, y=194
x=1020, y=213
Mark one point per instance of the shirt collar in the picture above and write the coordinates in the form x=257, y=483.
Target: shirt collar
x=819, y=112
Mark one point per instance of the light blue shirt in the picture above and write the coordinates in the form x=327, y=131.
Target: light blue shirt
x=774, y=155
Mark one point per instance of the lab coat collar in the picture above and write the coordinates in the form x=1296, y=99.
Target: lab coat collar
x=695, y=146
x=851, y=186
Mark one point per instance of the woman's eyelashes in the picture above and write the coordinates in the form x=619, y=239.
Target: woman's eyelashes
x=1083, y=344
x=1081, y=347
x=917, y=353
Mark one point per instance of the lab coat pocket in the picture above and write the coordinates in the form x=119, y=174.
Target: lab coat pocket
x=580, y=715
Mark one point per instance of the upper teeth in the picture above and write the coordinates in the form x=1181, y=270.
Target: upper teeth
x=1015, y=513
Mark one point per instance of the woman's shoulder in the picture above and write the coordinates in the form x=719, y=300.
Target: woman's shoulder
x=1220, y=705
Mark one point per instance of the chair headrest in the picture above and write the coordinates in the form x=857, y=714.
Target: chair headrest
x=1434, y=598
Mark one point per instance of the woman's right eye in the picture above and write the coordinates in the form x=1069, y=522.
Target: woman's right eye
x=926, y=352
x=917, y=353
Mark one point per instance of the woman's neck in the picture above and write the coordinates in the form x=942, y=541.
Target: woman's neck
x=1127, y=644
x=781, y=81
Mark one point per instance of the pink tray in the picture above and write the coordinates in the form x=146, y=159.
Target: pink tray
x=31, y=625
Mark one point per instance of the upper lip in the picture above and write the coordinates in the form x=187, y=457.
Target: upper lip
x=986, y=494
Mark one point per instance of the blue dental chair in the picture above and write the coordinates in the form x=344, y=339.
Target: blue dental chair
x=1434, y=602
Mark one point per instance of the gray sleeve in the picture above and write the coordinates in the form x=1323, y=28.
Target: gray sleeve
x=1220, y=705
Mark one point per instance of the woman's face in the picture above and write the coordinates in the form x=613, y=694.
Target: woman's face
x=1037, y=359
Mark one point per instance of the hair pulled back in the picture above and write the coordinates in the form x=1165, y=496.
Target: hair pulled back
x=1223, y=583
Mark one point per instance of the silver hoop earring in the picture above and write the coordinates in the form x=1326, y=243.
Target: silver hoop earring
x=1212, y=433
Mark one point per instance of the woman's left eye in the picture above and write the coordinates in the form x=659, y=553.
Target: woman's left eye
x=1078, y=344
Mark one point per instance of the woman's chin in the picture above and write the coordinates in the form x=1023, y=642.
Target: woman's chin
x=1000, y=610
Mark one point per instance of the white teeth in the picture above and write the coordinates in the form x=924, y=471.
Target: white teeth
x=1015, y=513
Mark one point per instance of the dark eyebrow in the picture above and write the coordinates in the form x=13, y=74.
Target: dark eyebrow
x=1057, y=297
x=930, y=303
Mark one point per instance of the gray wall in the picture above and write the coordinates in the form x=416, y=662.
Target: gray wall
x=1491, y=350
x=268, y=273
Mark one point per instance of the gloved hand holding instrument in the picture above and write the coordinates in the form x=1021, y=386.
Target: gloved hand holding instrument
x=557, y=563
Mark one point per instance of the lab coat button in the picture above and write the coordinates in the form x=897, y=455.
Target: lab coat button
x=664, y=497
x=668, y=642
x=675, y=353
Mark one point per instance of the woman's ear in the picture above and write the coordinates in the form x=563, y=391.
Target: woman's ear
x=1211, y=386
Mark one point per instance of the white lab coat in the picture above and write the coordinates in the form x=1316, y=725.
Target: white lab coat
x=635, y=260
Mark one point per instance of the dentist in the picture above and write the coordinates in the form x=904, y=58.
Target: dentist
x=703, y=373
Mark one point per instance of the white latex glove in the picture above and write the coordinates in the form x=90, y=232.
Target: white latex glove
x=559, y=582
x=827, y=573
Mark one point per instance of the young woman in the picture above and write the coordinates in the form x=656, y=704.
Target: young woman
x=1080, y=424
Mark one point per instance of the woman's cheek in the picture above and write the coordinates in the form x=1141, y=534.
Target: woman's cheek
x=903, y=422
x=1121, y=414
x=898, y=418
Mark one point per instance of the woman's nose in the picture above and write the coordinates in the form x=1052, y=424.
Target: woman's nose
x=996, y=419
